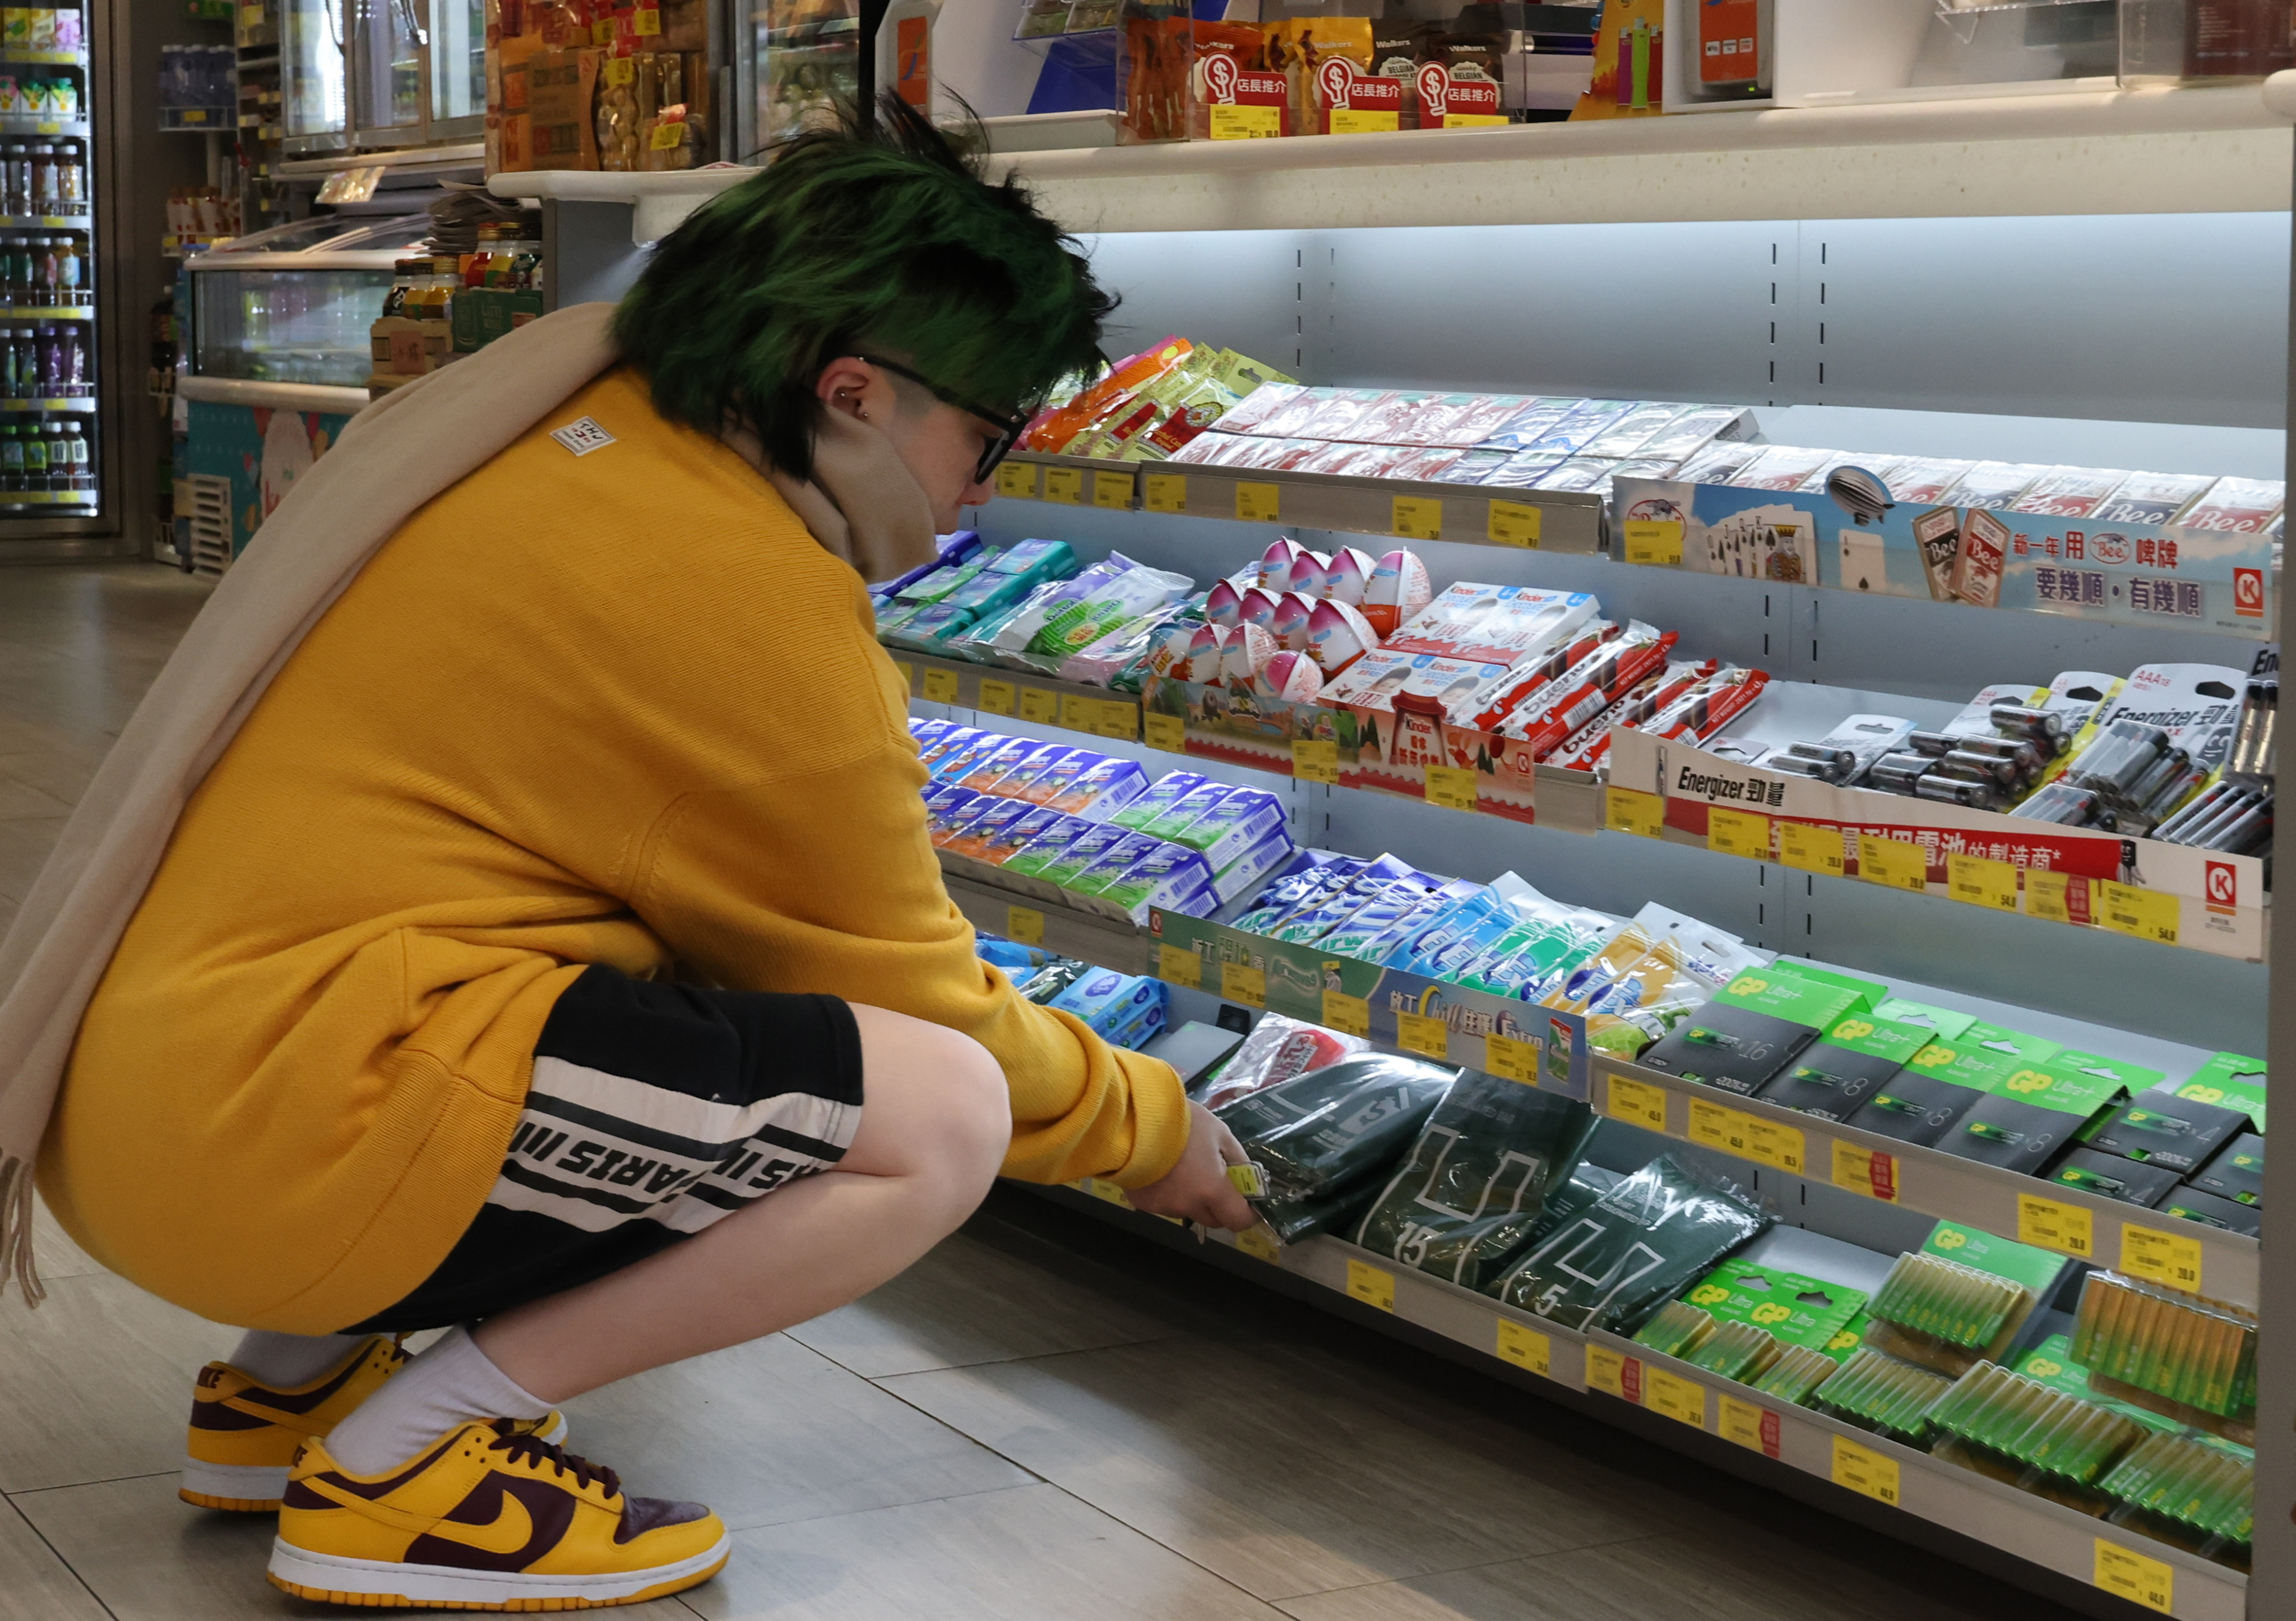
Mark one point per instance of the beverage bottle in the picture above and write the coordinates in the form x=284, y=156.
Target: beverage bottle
x=59, y=455
x=72, y=361
x=83, y=467
x=402, y=288
x=48, y=193
x=50, y=347
x=72, y=271
x=72, y=175
x=21, y=276
x=12, y=457
x=36, y=456
x=18, y=190
x=26, y=346
x=47, y=281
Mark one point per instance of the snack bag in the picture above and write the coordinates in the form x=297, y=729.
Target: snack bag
x=1277, y=1049
x=1461, y=77
x=1236, y=95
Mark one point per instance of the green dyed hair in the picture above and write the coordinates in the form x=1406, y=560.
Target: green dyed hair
x=878, y=237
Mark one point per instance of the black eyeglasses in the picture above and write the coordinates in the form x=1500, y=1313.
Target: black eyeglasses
x=1009, y=428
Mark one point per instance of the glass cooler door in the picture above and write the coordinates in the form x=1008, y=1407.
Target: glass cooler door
x=312, y=76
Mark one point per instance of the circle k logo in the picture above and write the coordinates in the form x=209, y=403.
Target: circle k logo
x=2223, y=884
x=2248, y=593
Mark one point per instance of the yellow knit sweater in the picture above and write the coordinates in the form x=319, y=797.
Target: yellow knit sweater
x=617, y=709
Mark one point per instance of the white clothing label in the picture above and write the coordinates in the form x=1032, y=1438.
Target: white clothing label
x=583, y=436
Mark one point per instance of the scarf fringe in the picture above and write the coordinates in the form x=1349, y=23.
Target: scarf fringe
x=16, y=1231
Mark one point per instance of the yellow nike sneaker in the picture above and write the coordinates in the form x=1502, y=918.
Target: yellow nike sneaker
x=491, y=1518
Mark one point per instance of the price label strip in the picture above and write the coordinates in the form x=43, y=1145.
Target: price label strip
x=2047, y=1224
x=2141, y=914
x=1510, y=1058
x=1679, y=1399
x=1348, y=1014
x=1166, y=492
x=1738, y=832
x=1041, y=706
x=1371, y=1285
x=1178, y=966
x=999, y=698
x=1422, y=1034
x=1513, y=523
x=1635, y=1102
x=1526, y=1348
x=1980, y=880
x=1064, y=485
x=1656, y=542
x=1631, y=811
x=1809, y=848
x=1260, y=503
x=1260, y=1244
x=1416, y=518
x=1751, y=1426
x=1747, y=1136
x=1865, y=1471
x=1896, y=863
x=1168, y=733
x=1866, y=1171
x=1024, y=924
x=2141, y=1580
x=1112, y=492
x=1241, y=982
x=940, y=686
x=2164, y=1257
x=1453, y=787
x=1316, y=760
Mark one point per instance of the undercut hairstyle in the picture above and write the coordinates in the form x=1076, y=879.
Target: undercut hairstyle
x=877, y=237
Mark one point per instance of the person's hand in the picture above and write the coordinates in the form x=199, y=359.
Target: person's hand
x=1197, y=1189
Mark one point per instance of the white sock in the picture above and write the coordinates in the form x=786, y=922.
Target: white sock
x=285, y=1360
x=442, y=1389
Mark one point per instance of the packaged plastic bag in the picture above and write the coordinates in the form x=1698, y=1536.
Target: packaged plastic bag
x=1278, y=1049
x=1325, y=1138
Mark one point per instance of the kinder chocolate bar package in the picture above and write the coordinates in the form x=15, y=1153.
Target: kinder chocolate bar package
x=1492, y=623
x=1701, y=712
x=2242, y=507
x=1530, y=424
x=1994, y=486
x=1553, y=713
x=2068, y=492
x=2153, y=497
x=1942, y=1082
x=1837, y=1072
x=1534, y=673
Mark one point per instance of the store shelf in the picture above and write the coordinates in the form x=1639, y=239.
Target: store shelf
x=1411, y=510
x=657, y=201
x=53, y=222
x=48, y=312
x=83, y=403
x=1787, y=1448
x=1018, y=695
x=24, y=124
x=48, y=497
x=2137, y=151
x=50, y=59
x=196, y=120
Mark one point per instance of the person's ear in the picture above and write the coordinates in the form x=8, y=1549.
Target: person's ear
x=842, y=386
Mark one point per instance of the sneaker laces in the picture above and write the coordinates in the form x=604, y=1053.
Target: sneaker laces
x=526, y=1447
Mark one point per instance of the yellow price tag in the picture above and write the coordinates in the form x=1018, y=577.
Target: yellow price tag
x=940, y=686
x=1316, y=760
x=998, y=697
x=1606, y=1371
x=1453, y=787
x=1513, y=523
x=1017, y=480
x=1807, y=849
x=1178, y=966
x=2045, y=896
x=1679, y=1399
x=1077, y=714
x=1657, y=541
x=647, y=21
x=1510, y=1058
x=1635, y=1102
x=1041, y=706
x=1738, y=832
x=1258, y=503
x=1115, y=718
x=908, y=673
x=1864, y=1471
x=1168, y=733
x=668, y=136
x=1371, y=1285
x=1980, y=880
x=1348, y=1014
x=1632, y=810
x=1167, y=493
x=2142, y=914
x=1896, y=862
x=2164, y=1257
x=1866, y=1171
x=1112, y=490
x=1416, y=518
x=621, y=69
x=1755, y=1428
x=2140, y=1580
x=1259, y=1243
x=1422, y=1034
x=2050, y=1225
x=1024, y=924
x=1526, y=1348
x=1240, y=981
x=1064, y=485
x=1748, y=1136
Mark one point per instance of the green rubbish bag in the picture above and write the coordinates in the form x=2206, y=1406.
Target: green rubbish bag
x=1325, y=1138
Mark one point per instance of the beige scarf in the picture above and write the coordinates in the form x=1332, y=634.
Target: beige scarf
x=398, y=453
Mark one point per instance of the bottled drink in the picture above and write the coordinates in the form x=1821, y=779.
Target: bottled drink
x=50, y=347
x=82, y=469
x=47, y=190
x=27, y=347
x=47, y=281
x=36, y=456
x=59, y=454
x=71, y=361
x=16, y=191
x=12, y=457
x=71, y=177
x=402, y=287
x=70, y=270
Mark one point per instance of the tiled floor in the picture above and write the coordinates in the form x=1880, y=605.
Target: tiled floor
x=1041, y=1422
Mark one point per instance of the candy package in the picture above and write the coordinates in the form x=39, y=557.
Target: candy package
x=1278, y=1049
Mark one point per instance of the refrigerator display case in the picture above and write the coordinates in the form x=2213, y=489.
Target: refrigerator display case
x=381, y=73
x=313, y=76
x=802, y=58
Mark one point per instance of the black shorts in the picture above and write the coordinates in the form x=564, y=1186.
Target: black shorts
x=655, y=1110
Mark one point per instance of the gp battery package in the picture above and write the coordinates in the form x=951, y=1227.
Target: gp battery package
x=1942, y=1082
x=2158, y=1128
x=2183, y=1356
x=2227, y=1215
x=2109, y=1176
x=1757, y=1026
x=1475, y=1184
x=1963, y=1297
x=2237, y=1172
x=1741, y=1319
x=1835, y=1074
x=1323, y=1138
x=2232, y=1079
x=1610, y=1266
x=2031, y=1112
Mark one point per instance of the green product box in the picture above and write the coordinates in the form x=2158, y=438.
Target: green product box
x=1161, y=795
x=1837, y=1072
x=2109, y=1176
x=2037, y=1269
x=2236, y=1172
x=1757, y=1026
x=2029, y=1113
x=1942, y=1082
x=2232, y=1080
x=1942, y=1025
x=2158, y=1128
x=2210, y=1211
x=1848, y=1337
x=482, y=314
x=1791, y=1308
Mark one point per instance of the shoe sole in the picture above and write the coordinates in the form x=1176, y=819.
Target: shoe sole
x=256, y=1488
x=378, y=1583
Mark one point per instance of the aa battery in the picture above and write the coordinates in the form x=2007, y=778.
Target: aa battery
x=2063, y=803
x=1976, y=767
x=2118, y=760
x=1955, y=791
x=2019, y=721
x=2155, y=778
x=1931, y=743
x=1834, y=765
x=2019, y=752
x=2220, y=799
x=2245, y=835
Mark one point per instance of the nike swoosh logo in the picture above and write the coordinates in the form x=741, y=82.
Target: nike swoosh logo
x=478, y=1533
x=511, y=1531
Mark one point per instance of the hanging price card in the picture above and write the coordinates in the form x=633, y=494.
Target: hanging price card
x=1078, y=714
x=2050, y=1225
x=1863, y=1469
x=1866, y=1171
x=2164, y=1257
x=1453, y=787
x=1064, y=485
x=1168, y=733
x=2143, y=914
x=1657, y=541
x=1371, y=1286
x=1632, y=810
x=2140, y=1580
x=1510, y=1058
x=1178, y=966
x=941, y=687
x=1980, y=880
x=1896, y=862
x=1116, y=719
x=1751, y=1426
x=1679, y=1399
x=1416, y=518
x=1606, y=1371
x=1348, y=1014
x=1038, y=705
x=1316, y=760
x=1807, y=849
x=1738, y=832
x=1526, y=1348
x=2045, y=896
x=1259, y=1243
x=998, y=697
x=1112, y=490
x=1635, y=1102
x=1240, y=981
x=1748, y=1136
x=1258, y=503
x=1018, y=479
x=1513, y=523
x=1024, y=924
x=1167, y=493
x=1422, y=1034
